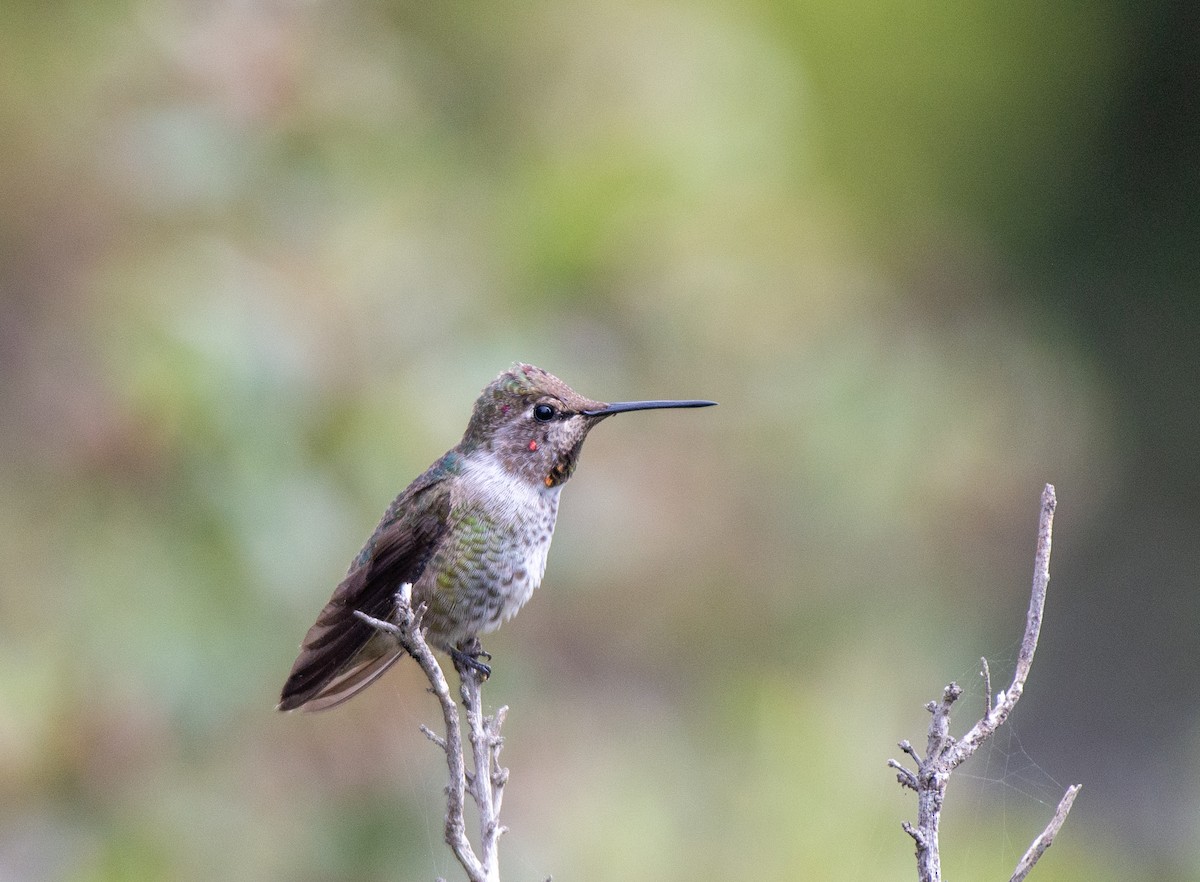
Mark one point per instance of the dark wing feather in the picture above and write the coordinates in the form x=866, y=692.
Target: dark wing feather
x=349, y=682
x=341, y=654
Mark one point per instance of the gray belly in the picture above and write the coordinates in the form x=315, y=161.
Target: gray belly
x=484, y=572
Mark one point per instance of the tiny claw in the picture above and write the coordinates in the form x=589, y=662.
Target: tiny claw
x=474, y=649
x=468, y=657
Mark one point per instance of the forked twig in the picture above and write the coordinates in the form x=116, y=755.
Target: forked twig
x=485, y=783
x=945, y=753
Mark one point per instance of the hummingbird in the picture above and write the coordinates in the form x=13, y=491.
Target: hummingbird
x=470, y=535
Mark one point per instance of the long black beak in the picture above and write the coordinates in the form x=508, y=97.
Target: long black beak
x=622, y=406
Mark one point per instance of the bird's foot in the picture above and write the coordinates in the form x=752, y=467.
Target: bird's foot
x=467, y=656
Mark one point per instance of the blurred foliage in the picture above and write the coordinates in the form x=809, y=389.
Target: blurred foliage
x=258, y=256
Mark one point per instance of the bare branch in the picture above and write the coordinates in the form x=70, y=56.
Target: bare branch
x=944, y=753
x=1046, y=838
x=486, y=780
x=1007, y=700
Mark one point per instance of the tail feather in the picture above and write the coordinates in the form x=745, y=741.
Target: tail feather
x=340, y=655
x=340, y=687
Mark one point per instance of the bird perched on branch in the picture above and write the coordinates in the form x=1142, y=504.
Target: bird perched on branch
x=470, y=536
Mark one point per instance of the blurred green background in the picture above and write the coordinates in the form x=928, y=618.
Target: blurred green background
x=258, y=258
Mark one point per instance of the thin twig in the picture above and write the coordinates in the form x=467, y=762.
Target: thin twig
x=907, y=747
x=1046, y=838
x=484, y=734
x=945, y=753
x=903, y=775
x=433, y=736
x=1007, y=700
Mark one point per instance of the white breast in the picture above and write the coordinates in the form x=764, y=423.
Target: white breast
x=523, y=516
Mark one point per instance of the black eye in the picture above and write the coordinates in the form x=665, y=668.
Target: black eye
x=543, y=413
